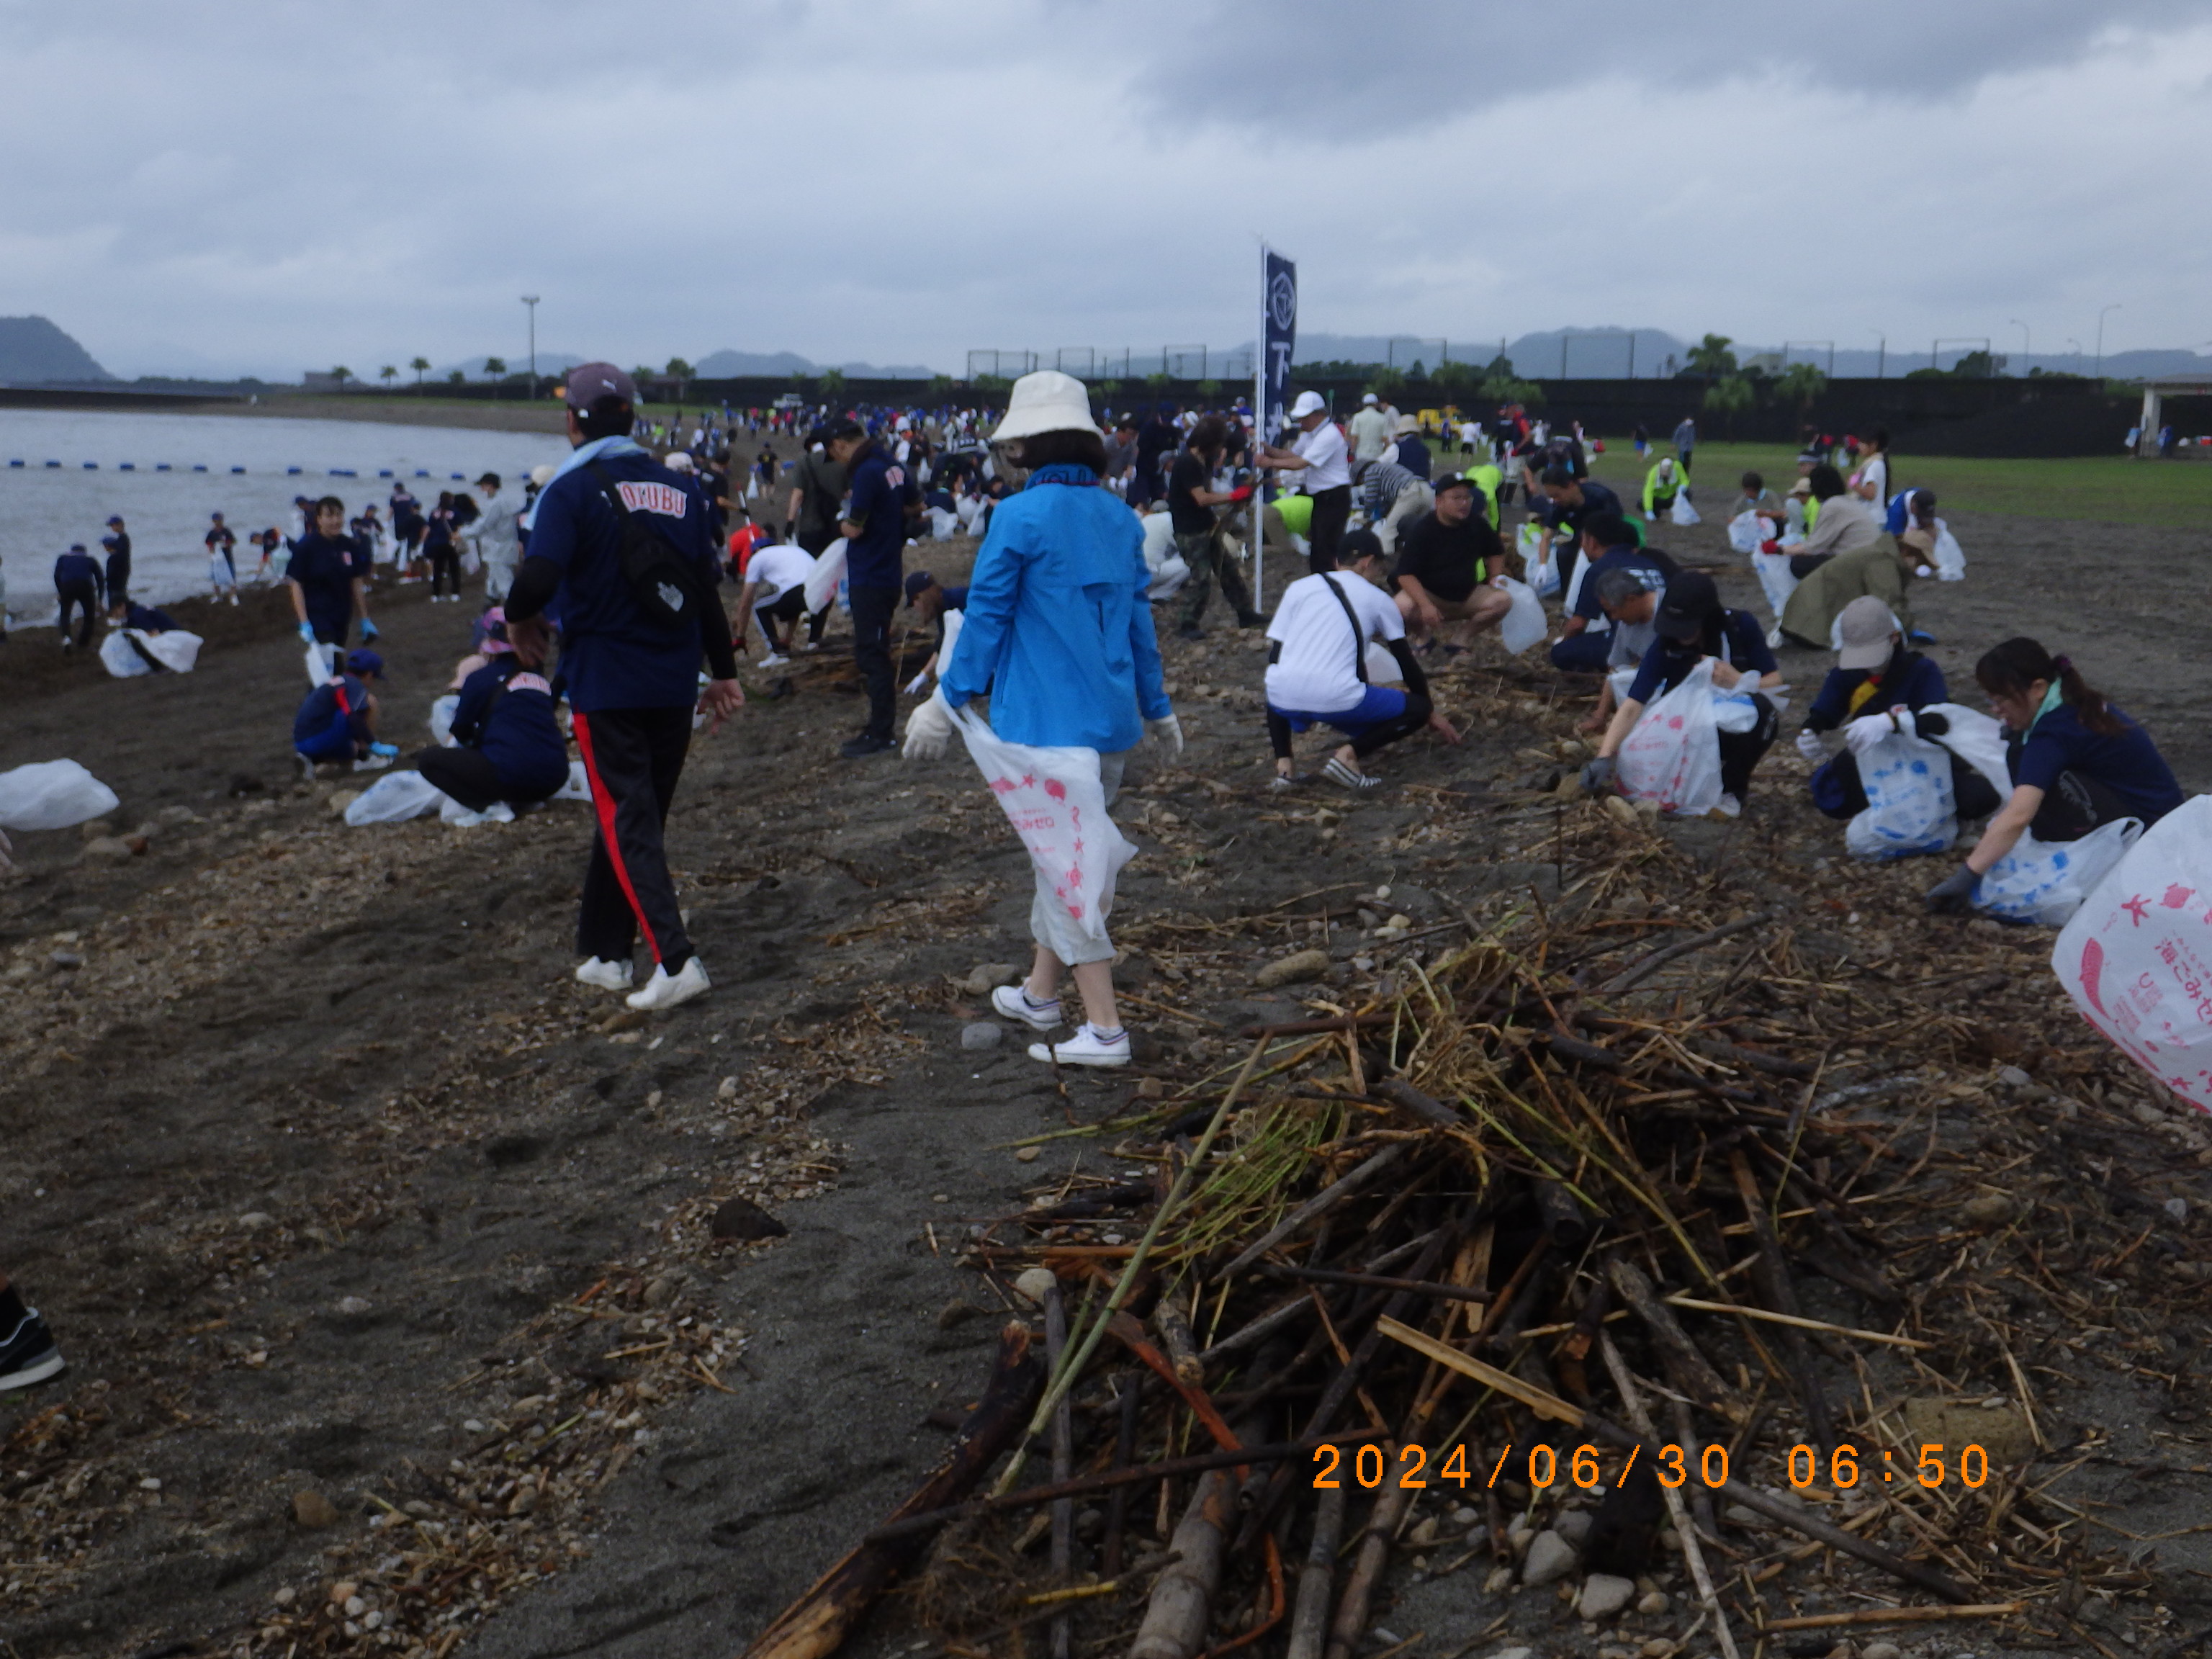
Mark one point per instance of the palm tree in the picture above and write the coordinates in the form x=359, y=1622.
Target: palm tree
x=681, y=372
x=494, y=368
x=387, y=375
x=1800, y=383
x=1711, y=357
x=422, y=367
x=1727, y=399
x=341, y=374
x=833, y=385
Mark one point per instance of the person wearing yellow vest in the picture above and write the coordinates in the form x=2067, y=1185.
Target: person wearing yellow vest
x=1662, y=484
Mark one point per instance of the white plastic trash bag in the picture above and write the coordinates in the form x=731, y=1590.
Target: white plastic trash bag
x=2047, y=882
x=1909, y=807
x=394, y=798
x=829, y=570
x=1746, y=531
x=579, y=786
x=1168, y=568
x=1673, y=755
x=117, y=657
x=442, y=719
x=1381, y=668
x=52, y=795
x=1683, y=512
x=1775, y=580
x=1055, y=801
x=1950, y=557
x=1533, y=544
x=1525, y=625
x=2136, y=957
x=318, y=665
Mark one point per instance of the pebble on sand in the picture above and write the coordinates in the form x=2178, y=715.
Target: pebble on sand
x=313, y=1511
x=980, y=1034
x=1035, y=1284
x=1551, y=1558
x=742, y=1218
x=1289, y=970
x=1604, y=1595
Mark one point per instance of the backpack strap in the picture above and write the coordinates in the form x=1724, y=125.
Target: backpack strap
x=1359, y=634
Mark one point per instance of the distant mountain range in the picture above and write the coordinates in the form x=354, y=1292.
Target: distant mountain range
x=33, y=351
x=727, y=364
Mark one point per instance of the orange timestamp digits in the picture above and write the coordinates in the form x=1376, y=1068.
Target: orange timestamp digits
x=1372, y=1466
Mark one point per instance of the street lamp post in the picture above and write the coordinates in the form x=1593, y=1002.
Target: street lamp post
x=2115, y=305
x=530, y=299
x=2027, y=345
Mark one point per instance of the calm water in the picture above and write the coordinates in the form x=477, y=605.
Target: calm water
x=43, y=509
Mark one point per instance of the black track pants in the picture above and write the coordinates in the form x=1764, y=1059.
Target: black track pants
x=633, y=757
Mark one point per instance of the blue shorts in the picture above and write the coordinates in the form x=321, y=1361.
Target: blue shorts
x=1382, y=703
x=333, y=742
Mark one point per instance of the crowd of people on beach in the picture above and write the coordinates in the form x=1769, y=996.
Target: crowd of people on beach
x=602, y=638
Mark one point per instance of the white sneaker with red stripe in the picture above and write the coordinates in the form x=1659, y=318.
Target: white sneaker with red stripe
x=666, y=990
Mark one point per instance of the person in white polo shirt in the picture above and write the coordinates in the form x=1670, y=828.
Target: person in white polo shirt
x=1318, y=455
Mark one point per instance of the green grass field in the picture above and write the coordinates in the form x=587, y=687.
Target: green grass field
x=2100, y=490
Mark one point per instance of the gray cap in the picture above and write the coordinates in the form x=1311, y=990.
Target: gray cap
x=589, y=382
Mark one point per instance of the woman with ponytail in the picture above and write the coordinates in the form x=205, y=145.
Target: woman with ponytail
x=2077, y=761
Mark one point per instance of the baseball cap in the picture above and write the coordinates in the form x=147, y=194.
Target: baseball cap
x=1691, y=600
x=1452, y=481
x=677, y=460
x=1369, y=397
x=1356, y=544
x=1802, y=487
x=491, y=478
x=115, y=521
x=108, y=541
x=1922, y=542
x=1863, y=628
x=1309, y=403
x=367, y=664
x=917, y=583
x=589, y=382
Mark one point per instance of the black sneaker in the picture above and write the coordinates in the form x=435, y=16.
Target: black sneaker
x=1190, y=631
x=1251, y=619
x=27, y=1354
x=865, y=744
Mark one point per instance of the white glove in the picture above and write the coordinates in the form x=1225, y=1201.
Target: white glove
x=1167, y=732
x=1862, y=734
x=913, y=686
x=928, y=732
x=1810, y=746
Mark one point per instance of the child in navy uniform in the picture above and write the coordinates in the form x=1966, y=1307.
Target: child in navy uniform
x=337, y=721
x=510, y=747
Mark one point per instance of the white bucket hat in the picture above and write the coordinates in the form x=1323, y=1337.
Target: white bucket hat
x=1309, y=403
x=1047, y=401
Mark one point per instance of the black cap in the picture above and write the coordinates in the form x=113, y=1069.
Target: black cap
x=1357, y=544
x=1452, y=481
x=1692, y=601
x=918, y=583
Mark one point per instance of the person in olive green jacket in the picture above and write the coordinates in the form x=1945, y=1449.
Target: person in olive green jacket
x=1882, y=569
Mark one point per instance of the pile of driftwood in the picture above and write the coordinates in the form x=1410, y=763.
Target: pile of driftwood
x=1510, y=1274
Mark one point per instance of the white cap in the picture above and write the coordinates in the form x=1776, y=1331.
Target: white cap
x=1309, y=403
x=1368, y=397
x=541, y=476
x=677, y=461
x=1047, y=401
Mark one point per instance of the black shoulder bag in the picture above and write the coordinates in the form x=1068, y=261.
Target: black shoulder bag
x=664, y=585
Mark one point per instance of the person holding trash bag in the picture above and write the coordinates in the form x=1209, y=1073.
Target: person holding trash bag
x=508, y=747
x=77, y=581
x=1662, y=484
x=1317, y=666
x=1058, y=631
x=1882, y=569
x=1690, y=625
x=2076, y=763
x=337, y=720
x=619, y=547
x=1879, y=688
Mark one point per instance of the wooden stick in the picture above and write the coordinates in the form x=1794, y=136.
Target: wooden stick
x=1063, y=1466
x=1644, y=968
x=1316, y=1206
x=1550, y=1405
x=1687, y=1363
x=1801, y=1323
x=1181, y=1602
x=1125, y=1448
x=1892, y=1616
x=1376, y=1281
x=816, y=1624
x=1141, y=1475
x=1632, y=1401
x=1310, y=1623
x=1168, y=1319
x=1772, y=1275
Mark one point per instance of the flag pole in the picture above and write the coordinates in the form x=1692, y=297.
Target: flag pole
x=1259, y=436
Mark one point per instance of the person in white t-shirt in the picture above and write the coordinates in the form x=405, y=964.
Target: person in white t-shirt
x=1319, y=457
x=1370, y=428
x=775, y=592
x=1317, y=672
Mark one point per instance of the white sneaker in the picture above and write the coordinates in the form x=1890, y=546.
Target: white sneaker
x=773, y=659
x=662, y=991
x=607, y=976
x=1014, y=1003
x=1085, y=1048
x=371, y=762
x=1730, y=807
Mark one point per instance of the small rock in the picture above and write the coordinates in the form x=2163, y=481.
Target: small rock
x=1151, y=1088
x=1499, y=1581
x=1620, y=808
x=987, y=976
x=1291, y=970
x=254, y=1221
x=660, y=1292
x=983, y=1034
x=2000, y=1430
x=1091, y=1525
x=1990, y=1210
x=1670, y=1540
x=1514, y=1653
x=342, y=799
x=313, y=1511
x=1573, y=1526
x=1035, y=1283
x=1736, y=1515
x=1604, y=1595
x=726, y=1088
x=96, y=829
x=342, y=1591
x=1401, y=923
x=2178, y=1208
x=151, y=1483
x=2013, y=1077
x=1551, y=1559
x=139, y=845
x=285, y=1595
x=1465, y=1516
x=1027, y=1154
x=742, y=1218
x=525, y=1502
x=1881, y=1651
x=625, y=1019
x=1658, y=1648
x=111, y=849
x=958, y=1311
x=355, y=1607
x=355, y=1304
x=1424, y=1536
x=66, y=960
x=1653, y=1602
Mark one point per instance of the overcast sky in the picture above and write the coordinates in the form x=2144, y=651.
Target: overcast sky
x=254, y=187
